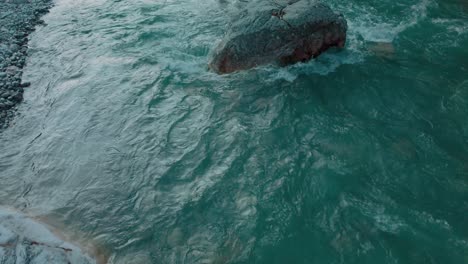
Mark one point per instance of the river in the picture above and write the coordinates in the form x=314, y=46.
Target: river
x=126, y=140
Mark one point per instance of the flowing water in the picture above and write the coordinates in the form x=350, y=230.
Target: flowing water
x=126, y=140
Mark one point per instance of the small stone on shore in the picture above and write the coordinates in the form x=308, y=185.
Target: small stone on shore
x=17, y=20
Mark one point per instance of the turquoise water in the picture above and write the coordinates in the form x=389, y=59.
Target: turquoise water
x=128, y=143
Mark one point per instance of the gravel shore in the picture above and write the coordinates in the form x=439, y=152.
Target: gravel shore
x=18, y=19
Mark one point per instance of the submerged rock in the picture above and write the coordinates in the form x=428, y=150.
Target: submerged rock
x=279, y=32
x=382, y=49
x=23, y=240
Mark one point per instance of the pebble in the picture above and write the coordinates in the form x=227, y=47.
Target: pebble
x=17, y=20
x=9, y=103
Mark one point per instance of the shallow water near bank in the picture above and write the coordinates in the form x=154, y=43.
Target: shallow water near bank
x=360, y=156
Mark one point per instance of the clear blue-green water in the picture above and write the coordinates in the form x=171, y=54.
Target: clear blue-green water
x=361, y=156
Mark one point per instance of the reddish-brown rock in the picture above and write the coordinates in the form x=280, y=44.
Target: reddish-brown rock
x=282, y=33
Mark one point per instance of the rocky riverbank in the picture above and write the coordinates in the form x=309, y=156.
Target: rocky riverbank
x=18, y=19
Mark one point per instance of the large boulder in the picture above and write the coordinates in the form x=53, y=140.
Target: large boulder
x=25, y=241
x=282, y=32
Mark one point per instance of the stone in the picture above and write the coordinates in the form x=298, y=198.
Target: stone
x=382, y=49
x=9, y=103
x=17, y=1
x=12, y=70
x=282, y=33
x=17, y=20
x=14, y=47
x=17, y=97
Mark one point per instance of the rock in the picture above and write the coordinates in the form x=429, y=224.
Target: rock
x=382, y=49
x=17, y=1
x=9, y=104
x=17, y=97
x=23, y=240
x=284, y=33
x=12, y=70
x=17, y=20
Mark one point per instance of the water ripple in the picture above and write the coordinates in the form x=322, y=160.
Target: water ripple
x=130, y=142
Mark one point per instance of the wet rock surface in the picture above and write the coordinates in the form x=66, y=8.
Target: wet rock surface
x=282, y=32
x=18, y=19
x=25, y=241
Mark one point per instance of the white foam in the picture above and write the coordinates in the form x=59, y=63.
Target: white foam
x=365, y=24
x=458, y=26
x=23, y=232
x=370, y=26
